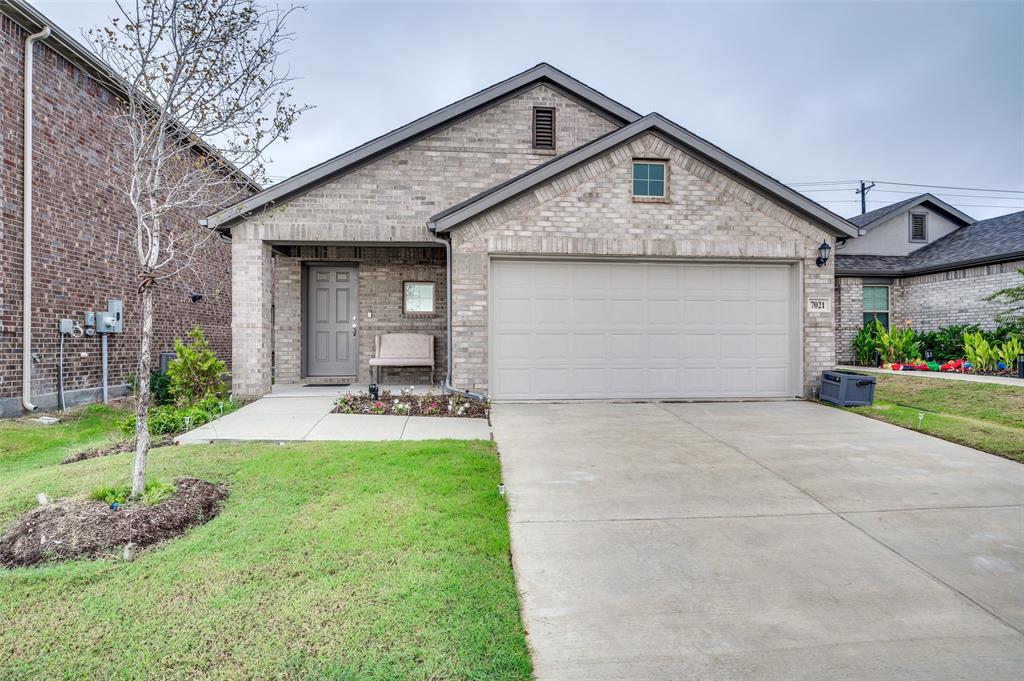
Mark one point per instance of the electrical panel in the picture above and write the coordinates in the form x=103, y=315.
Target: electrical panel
x=110, y=320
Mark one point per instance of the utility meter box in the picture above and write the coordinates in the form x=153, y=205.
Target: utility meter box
x=112, y=319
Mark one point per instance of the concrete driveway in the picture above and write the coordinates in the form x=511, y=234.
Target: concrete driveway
x=762, y=540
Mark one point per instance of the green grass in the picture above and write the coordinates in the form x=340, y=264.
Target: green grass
x=330, y=560
x=26, y=444
x=986, y=416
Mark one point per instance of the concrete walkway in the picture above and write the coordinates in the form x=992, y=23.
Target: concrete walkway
x=947, y=375
x=772, y=540
x=304, y=413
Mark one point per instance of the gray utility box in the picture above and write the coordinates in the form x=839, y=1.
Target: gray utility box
x=847, y=389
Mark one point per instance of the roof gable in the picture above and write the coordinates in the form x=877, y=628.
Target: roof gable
x=732, y=166
x=317, y=175
x=872, y=219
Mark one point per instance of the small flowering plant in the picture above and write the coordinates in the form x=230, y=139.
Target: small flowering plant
x=406, y=403
x=346, y=404
x=400, y=408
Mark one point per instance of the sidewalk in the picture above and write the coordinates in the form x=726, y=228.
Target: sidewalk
x=947, y=375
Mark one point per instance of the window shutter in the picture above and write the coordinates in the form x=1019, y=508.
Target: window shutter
x=918, y=231
x=543, y=128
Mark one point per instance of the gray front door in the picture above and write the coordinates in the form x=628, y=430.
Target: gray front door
x=331, y=310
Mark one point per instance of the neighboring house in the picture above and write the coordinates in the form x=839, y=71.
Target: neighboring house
x=923, y=261
x=81, y=257
x=595, y=253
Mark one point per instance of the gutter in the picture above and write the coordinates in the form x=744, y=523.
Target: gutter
x=26, y=269
x=448, y=387
x=934, y=269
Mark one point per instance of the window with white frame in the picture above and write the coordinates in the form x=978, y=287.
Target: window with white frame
x=418, y=297
x=876, y=304
x=649, y=179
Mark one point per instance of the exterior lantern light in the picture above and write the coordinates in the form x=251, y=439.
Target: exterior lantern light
x=823, y=250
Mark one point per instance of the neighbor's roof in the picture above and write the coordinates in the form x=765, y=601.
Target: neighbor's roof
x=656, y=123
x=873, y=218
x=31, y=19
x=985, y=242
x=421, y=127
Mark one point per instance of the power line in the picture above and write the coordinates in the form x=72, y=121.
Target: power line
x=909, y=184
x=963, y=205
x=904, y=191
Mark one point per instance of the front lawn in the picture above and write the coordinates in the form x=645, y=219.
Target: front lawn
x=26, y=444
x=329, y=560
x=986, y=416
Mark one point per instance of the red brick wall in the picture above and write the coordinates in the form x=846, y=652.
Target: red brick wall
x=81, y=256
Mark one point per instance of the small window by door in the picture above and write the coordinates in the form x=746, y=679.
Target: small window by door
x=418, y=297
x=876, y=304
x=919, y=227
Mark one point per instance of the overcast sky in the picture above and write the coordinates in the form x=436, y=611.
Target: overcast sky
x=919, y=92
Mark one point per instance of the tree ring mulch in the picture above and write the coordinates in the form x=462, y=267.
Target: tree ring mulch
x=118, y=447
x=78, y=529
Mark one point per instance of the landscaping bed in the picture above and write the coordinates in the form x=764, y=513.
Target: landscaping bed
x=88, y=528
x=407, y=404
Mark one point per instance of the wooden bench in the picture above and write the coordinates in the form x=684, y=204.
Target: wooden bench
x=403, y=350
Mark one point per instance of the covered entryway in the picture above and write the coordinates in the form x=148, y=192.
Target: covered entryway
x=577, y=329
x=331, y=321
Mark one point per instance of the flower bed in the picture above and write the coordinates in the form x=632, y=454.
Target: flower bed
x=407, y=404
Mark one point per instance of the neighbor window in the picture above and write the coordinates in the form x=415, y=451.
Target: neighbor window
x=649, y=179
x=876, y=304
x=919, y=227
x=419, y=297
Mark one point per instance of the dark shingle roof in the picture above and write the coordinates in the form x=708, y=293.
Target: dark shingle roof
x=873, y=218
x=986, y=241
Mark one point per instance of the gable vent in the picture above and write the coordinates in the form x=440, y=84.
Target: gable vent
x=918, y=227
x=543, y=128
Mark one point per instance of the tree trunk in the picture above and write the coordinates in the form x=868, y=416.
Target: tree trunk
x=142, y=394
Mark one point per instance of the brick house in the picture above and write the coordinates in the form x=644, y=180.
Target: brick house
x=594, y=252
x=924, y=261
x=80, y=259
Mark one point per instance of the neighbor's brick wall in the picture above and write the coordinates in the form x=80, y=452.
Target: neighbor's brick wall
x=381, y=273
x=849, y=304
x=391, y=200
x=590, y=212
x=81, y=257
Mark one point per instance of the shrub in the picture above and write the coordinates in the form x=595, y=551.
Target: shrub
x=865, y=343
x=979, y=352
x=196, y=372
x=946, y=343
x=154, y=493
x=171, y=420
x=159, y=387
x=899, y=344
x=1009, y=351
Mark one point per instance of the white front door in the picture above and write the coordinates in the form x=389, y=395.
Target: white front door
x=570, y=329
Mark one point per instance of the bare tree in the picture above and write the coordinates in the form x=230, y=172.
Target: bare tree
x=204, y=98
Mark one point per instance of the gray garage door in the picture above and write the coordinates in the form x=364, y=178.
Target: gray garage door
x=584, y=330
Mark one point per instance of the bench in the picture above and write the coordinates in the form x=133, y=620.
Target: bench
x=403, y=350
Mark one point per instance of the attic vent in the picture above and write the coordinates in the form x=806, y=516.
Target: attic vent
x=543, y=128
x=918, y=227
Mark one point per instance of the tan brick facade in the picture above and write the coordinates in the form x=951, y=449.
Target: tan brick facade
x=928, y=301
x=590, y=212
x=385, y=202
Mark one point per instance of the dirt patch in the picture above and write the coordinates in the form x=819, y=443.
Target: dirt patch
x=75, y=529
x=119, y=447
x=452, y=406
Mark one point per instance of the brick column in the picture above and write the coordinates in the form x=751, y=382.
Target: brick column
x=251, y=281
x=287, y=320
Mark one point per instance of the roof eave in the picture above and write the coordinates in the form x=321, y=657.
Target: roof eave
x=933, y=269
x=421, y=127
x=736, y=168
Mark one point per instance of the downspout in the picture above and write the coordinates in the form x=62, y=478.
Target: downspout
x=448, y=387
x=26, y=304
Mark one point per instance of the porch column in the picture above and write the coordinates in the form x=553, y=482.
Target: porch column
x=251, y=280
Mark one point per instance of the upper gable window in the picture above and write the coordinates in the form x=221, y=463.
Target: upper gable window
x=919, y=227
x=649, y=179
x=543, y=127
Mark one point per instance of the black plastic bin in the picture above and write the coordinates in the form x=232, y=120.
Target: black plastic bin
x=847, y=388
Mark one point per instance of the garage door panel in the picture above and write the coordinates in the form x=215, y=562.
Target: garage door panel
x=579, y=329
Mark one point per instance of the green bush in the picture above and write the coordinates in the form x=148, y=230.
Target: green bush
x=979, y=352
x=865, y=343
x=154, y=493
x=171, y=420
x=898, y=345
x=946, y=343
x=1009, y=351
x=196, y=372
x=159, y=387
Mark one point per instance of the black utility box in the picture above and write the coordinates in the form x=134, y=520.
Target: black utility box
x=846, y=388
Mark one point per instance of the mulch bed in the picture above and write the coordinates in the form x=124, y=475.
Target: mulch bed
x=452, y=406
x=75, y=529
x=119, y=447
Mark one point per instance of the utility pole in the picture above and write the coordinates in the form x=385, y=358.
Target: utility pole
x=863, y=191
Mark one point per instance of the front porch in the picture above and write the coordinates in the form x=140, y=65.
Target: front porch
x=308, y=314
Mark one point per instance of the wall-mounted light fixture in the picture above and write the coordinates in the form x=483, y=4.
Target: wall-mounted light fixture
x=823, y=250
